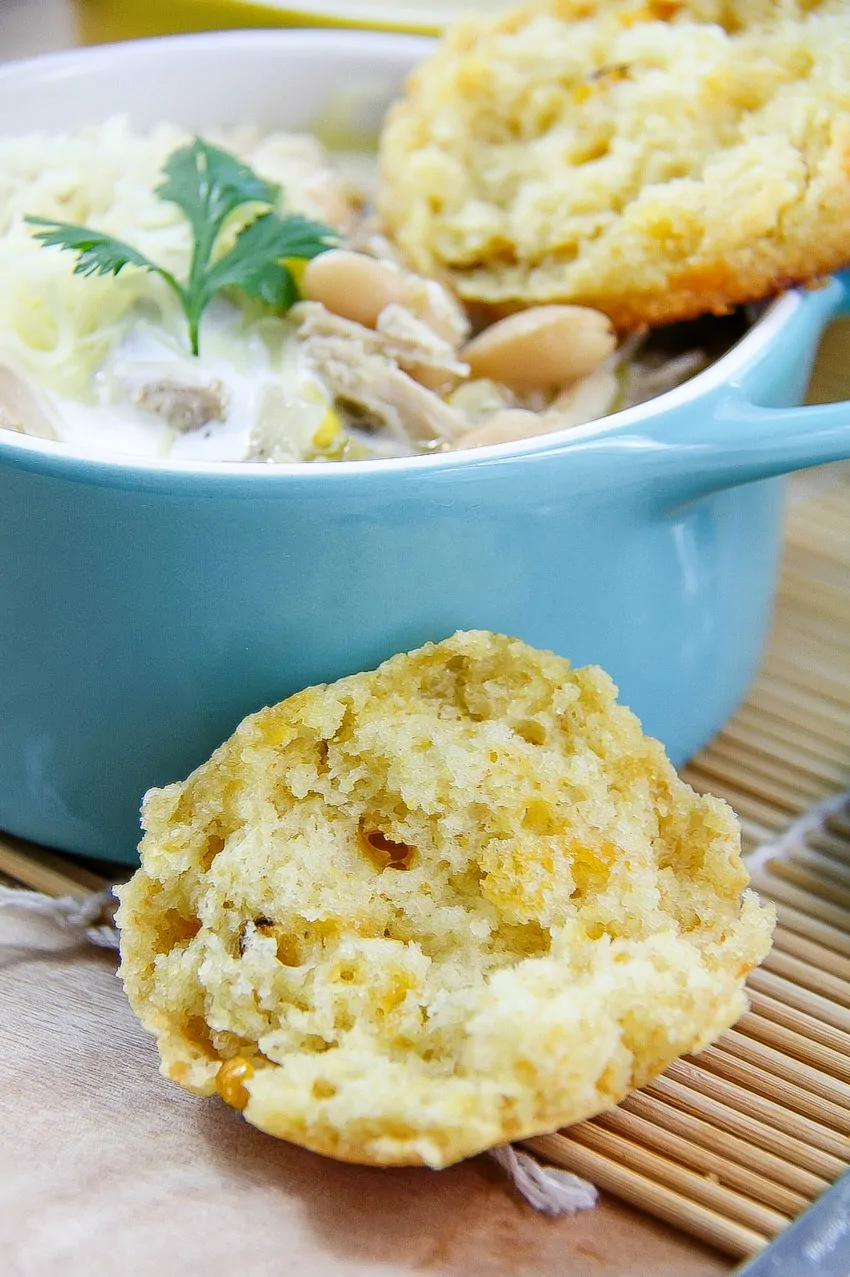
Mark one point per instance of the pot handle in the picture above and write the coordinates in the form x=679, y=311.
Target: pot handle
x=768, y=442
x=742, y=442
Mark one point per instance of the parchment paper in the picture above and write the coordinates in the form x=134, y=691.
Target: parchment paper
x=107, y=1168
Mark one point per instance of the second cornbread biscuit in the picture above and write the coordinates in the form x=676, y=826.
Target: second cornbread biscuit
x=426, y=910
x=655, y=160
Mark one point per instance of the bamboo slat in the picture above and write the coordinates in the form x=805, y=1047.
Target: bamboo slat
x=733, y=1144
x=47, y=871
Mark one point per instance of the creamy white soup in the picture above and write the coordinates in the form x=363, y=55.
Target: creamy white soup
x=229, y=298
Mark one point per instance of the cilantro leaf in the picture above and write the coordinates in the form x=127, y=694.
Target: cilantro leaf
x=305, y=239
x=255, y=262
x=208, y=185
x=97, y=254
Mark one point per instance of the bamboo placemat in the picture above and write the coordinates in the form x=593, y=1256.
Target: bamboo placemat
x=732, y=1146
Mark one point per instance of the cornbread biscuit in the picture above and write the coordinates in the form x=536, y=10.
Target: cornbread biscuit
x=656, y=161
x=426, y=910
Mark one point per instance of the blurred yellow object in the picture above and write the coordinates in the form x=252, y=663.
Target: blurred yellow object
x=296, y=267
x=99, y=21
x=328, y=431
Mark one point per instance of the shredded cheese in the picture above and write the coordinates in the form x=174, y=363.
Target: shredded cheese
x=56, y=326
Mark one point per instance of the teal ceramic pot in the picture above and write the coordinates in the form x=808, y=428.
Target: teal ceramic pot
x=147, y=607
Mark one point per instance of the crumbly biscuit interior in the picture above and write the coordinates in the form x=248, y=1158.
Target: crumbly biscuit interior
x=445, y=904
x=609, y=152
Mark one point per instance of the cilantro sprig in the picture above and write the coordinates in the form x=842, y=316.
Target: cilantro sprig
x=208, y=185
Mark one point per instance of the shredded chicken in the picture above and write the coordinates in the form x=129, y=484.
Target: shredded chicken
x=357, y=367
x=436, y=307
x=644, y=382
x=20, y=409
x=367, y=238
x=479, y=399
x=183, y=407
x=414, y=344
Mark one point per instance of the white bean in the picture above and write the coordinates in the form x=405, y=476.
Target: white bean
x=352, y=285
x=588, y=400
x=543, y=348
x=504, y=427
x=358, y=287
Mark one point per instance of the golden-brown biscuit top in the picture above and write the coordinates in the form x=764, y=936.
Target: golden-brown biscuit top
x=653, y=160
